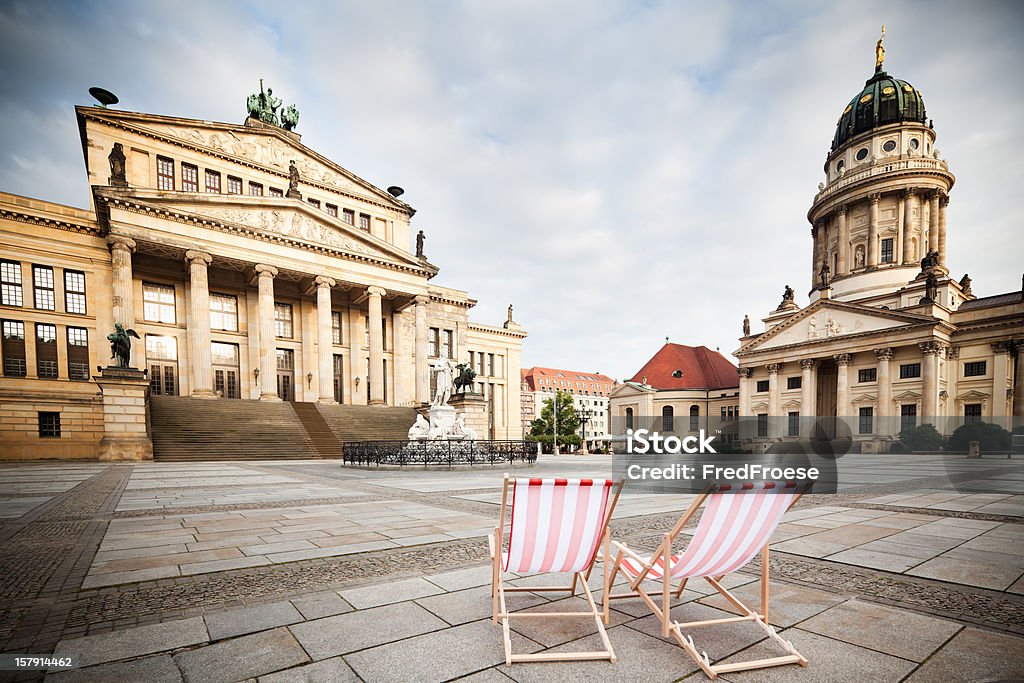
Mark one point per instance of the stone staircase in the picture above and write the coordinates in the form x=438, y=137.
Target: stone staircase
x=226, y=429
x=368, y=423
x=192, y=429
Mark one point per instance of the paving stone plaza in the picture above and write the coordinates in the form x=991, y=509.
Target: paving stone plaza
x=307, y=571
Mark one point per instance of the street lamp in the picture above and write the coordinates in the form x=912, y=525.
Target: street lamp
x=554, y=432
x=585, y=415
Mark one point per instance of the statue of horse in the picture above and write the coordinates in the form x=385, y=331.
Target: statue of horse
x=465, y=375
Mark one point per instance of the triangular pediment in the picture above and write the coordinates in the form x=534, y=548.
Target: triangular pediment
x=269, y=147
x=825, y=319
x=908, y=396
x=865, y=399
x=759, y=407
x=290, y=219
x=629, y=389
x=973, y=395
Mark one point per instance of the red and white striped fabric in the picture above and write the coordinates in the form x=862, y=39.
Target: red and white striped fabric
x=733, y=528
x=556, y=524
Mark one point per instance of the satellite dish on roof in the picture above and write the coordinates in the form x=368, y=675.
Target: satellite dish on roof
x=103, y=96
x=396, y=191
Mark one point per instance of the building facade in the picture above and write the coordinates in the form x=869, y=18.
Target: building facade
x=680, y=390
x=250, y=266
x=890, y=338
x=589, y=390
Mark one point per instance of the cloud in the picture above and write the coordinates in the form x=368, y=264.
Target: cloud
x=619, y=171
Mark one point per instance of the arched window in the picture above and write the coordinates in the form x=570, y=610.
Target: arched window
x=667, y=419
x=629, y=418
x=694, y=418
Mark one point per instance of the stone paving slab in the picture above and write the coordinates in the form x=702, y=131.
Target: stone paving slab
x=238, y=622
x=241, y=658
x=975, y=655
x=338, y=635
x=317, y=605
x=135, y=642
x=385, y=594
x=788, y=604
x=325, y=671
x=160, y=669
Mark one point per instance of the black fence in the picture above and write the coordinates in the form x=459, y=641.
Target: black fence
x=440, y=452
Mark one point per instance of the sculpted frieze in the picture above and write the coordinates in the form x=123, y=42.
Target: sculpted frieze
x=824, y=324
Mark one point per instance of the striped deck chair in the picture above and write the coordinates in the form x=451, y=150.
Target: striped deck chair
x=558, y=525
x=737, y=523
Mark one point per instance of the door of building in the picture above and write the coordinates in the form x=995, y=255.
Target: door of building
x=162, y=359
x=225, y=369
x=826, y=400
x=286, y=374
x=339, y=379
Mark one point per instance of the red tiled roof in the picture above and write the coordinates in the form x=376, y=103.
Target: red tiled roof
x=702, y=369
x=557, y=375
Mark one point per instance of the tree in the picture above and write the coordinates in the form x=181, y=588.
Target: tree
x=923, y=438
x=568, y=421
x=990, y=437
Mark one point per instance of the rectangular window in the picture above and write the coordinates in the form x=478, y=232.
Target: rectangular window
x=332, y=210
x=49, y=425
x=762, y=385
x=434, y=341
x=364, y=222
x=349, y=216
x=78, y=353
x=975, y=369
x=164, y=173
x=255, y=189
x=972, y=412
x=314, y=203
x=794, y=382
x=283, y=321
x=42, y=284
x=234, y=185
x=447, y=345
x=157, y=303
x=908, y=416
x=275, y=192
x=910, y=370
x=212, y=181
x=189, y=178
x=336, y=327
x=13, y=348
x=10, y=283
x=867, y=375
x=46, y=351
x=762, y=424
x=74, y=292
x=867, y=421
x=223, y=312
x=887, y=250
x=794, y=424
x=490, y=365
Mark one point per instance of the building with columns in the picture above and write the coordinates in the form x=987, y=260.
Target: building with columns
x=890, y=338
x=250, y=266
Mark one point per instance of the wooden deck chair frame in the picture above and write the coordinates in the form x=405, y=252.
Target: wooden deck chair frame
x=498, y=590
x=675, y=628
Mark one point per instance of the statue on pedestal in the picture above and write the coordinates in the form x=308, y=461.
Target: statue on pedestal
x=746, y=326
x=444, y=369
x=824, y=276
x=293, y=180
x=420, y=239
x=965, y=285
x=121, y=344
x=464, y=377
x=117, y=166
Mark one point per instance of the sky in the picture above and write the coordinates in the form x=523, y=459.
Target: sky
x=621, y=172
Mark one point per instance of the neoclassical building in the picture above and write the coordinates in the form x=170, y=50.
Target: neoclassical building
x=890, y=337
x=250, y=266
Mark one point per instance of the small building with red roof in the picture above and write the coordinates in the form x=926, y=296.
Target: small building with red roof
x=681, y=389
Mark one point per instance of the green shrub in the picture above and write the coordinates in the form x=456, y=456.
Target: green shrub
x=923, y=438
x=991, y=437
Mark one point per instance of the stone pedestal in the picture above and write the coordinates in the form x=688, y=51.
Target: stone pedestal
x=125, y=427
x=475, y=409
x=443, y=417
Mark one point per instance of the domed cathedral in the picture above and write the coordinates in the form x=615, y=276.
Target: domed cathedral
x=890, y=339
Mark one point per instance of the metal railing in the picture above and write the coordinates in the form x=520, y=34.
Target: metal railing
x=438, y=452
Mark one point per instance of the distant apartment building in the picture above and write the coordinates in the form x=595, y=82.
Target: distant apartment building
x=590, y=391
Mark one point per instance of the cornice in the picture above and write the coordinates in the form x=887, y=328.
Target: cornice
x=490, y=329
x=45, y=221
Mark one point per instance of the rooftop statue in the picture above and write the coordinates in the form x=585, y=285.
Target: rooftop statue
x=121, y=344
x=263, y=106
x=880, y=51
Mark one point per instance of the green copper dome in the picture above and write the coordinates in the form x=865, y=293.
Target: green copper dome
x=883, y=100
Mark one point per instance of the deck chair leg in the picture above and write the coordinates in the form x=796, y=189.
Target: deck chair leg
x=600, y=622
x=764, y=583
x=607, y=584
x=495, y=580
x=682, y=585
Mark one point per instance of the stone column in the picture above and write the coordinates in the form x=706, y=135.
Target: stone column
x=807, y=407
x=933, y=220
x=943, y=203
x=745, y=391
x=815, y=267
x=268, y=349
x=121, y=250
x=883, y=425
x=1018, y=382
x=374, y=313
x=1001, y=386
x=324, y=339
x=200, y=352
x=909, y=195
x=843, y=385
x=930, y=382
x=844, y=243
x=773, y=399
x=422, y=362
x=872, y=259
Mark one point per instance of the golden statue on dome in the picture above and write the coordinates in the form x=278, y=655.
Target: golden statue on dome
x=880, y=51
